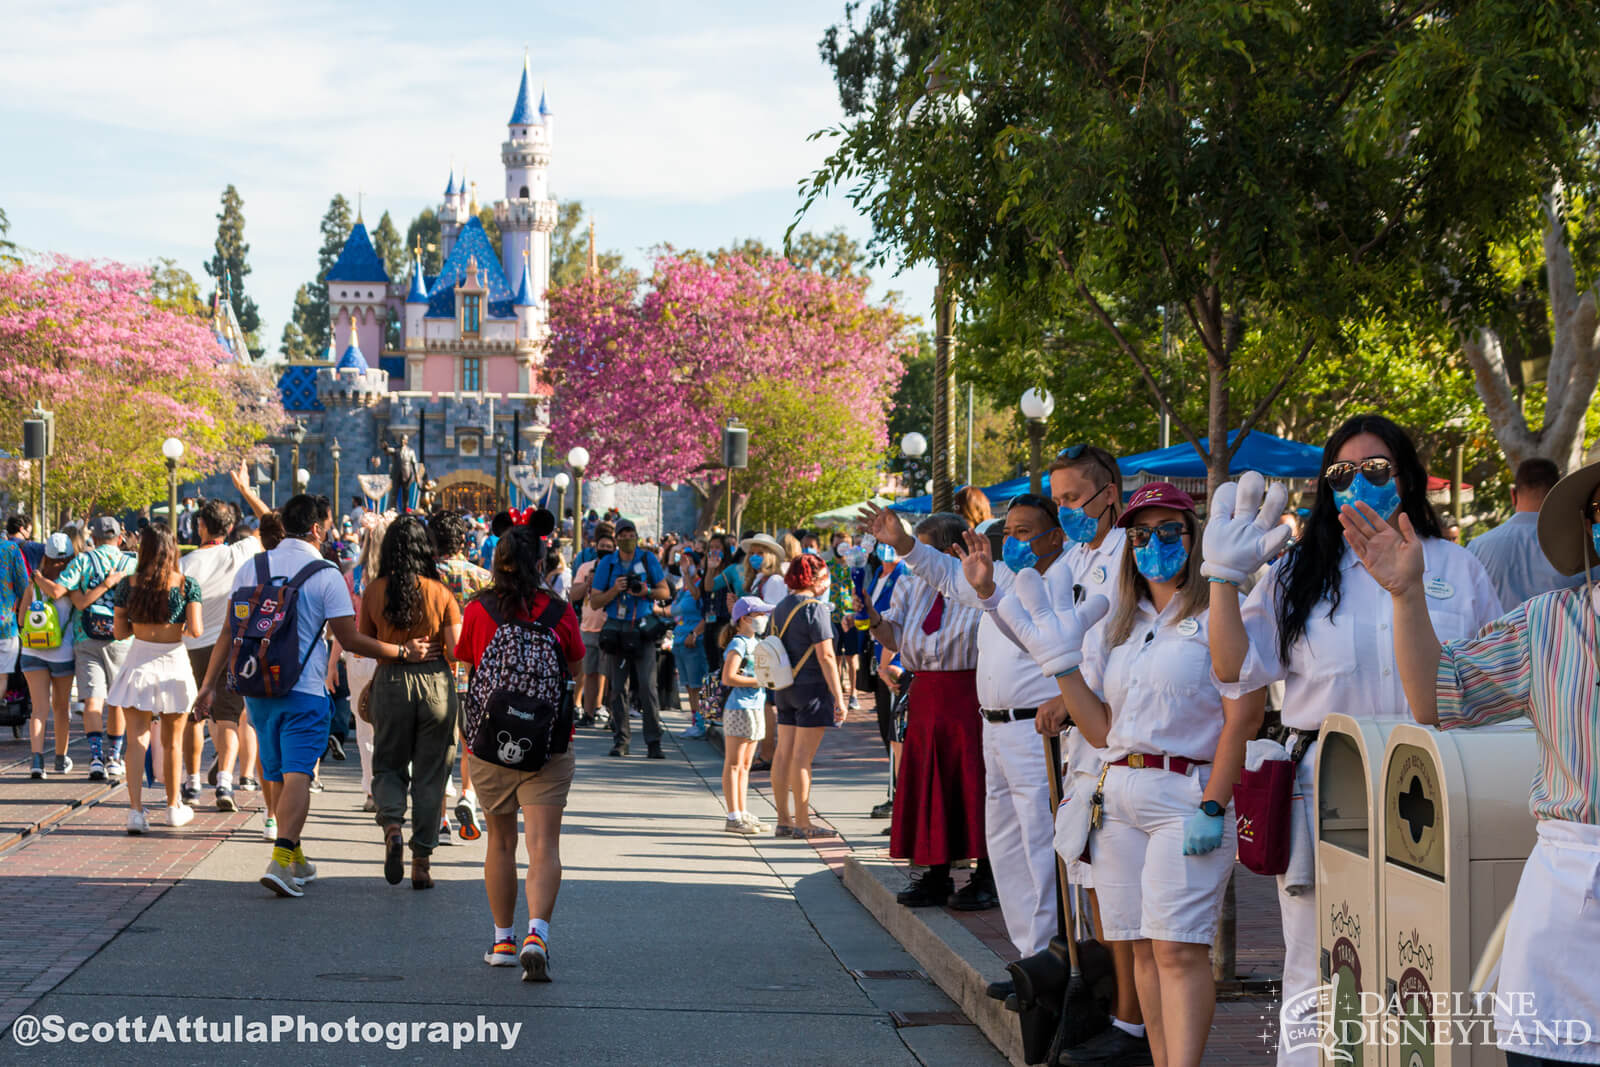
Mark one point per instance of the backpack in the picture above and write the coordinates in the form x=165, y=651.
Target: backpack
x=41, y=622
x=772, y=659
x=266, y=659
x=518, y=710
x=99, y=618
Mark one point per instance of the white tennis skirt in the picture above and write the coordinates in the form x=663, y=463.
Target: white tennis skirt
x=156, y=677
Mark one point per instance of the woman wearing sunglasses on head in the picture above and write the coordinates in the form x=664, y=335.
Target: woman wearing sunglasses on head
x=1140, y=689
x=1322, y=625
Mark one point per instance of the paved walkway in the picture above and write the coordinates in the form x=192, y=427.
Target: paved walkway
x=673, y=942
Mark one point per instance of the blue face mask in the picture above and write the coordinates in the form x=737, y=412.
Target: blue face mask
x=1018, y=554
x=1594, y=535
x=1384, y=499
x=1078, y=524
x=885, y=553
x=808, y=551
x=756, y=560
x=1161, y=562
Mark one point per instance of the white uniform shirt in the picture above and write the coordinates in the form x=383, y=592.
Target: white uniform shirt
x=952, y=647
x=1158, y=685
x=1098, y=570
x=1007, y=675
x=1346, y=663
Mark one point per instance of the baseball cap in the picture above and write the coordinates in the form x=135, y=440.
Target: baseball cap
x=58, y=546
x=625, y=524
x=1156, y=495
x=749, y=605
x=105, y=526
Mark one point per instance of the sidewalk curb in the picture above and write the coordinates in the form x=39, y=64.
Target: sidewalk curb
x=958, y=962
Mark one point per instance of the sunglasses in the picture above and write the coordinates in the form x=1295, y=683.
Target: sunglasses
x=1592, y=511
x=1169, y=533
x=1376, y=470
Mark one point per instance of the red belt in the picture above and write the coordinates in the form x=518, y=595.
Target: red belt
x=1175, y=764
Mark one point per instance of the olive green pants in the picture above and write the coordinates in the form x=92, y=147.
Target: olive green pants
x=413, y=746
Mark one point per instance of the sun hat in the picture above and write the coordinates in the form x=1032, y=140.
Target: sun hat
x=1563, y=527
x=749, y=605
x=1156, y=495
x=764, y=543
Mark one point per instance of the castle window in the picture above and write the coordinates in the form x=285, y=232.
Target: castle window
x=524, y=193
x=469, y=316
x=471, y=374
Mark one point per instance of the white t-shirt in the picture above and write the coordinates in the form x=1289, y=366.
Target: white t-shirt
x=62, y=653
x=773, y=590
x=324, y=596
x=214, y=568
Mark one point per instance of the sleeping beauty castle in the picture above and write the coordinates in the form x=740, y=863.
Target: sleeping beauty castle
x=450, y=362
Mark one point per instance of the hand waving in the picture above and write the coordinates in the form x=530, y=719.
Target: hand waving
x=977, y=564
x=886, y=526
x=1047, y=624
x=1242, y=530
x=1393, y=557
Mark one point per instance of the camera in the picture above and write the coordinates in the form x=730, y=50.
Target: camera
x=635, y=586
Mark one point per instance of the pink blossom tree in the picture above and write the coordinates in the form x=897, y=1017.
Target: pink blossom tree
x=121, y=373
x=645, y=376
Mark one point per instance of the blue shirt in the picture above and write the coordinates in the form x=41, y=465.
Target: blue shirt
x=643, y=566
x=13, y=582
x=744, y=698
x=1516, y=564
x=686, y=615
x=88, y=569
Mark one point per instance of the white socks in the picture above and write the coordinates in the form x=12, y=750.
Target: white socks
x=504, y=933
x=540, y=927
x=224, y=779
x=1131, y=1029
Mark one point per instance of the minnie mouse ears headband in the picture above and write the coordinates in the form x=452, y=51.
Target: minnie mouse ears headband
x=540, y=520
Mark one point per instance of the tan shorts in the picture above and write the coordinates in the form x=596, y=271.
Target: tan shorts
x=502, y=791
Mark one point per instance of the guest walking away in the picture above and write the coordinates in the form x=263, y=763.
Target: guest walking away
x=465, y=580
x=938, y=809
x=46, y=637
x=533, y=659
x=1536, y=662
x=804, y=625
x=743, y=721
x=413, y=705
x=689, y=640
x=97, y=655
x=1141, y=690
x=157, y=607
x=1321, y=624
x=358, y=670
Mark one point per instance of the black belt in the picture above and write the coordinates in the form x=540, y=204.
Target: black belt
x=1009, y=714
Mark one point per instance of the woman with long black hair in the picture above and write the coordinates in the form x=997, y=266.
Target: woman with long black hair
x=413, y=704
x=1322, y=625
x=519, y=592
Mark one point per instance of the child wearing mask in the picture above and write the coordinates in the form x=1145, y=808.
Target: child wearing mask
x=744, y=723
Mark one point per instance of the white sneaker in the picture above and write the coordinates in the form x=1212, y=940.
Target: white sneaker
x=182, y=815
x=450, y=786
x=282, y=881
x=855, y=704
x=137, y=823
x=269, y=829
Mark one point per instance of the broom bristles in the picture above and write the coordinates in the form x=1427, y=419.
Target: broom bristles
x=1081, y=1017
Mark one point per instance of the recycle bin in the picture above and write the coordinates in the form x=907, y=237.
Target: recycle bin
x=1456, y=833
x=1349, y=853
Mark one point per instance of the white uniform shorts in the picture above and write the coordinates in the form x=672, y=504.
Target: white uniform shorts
x=1146, y=886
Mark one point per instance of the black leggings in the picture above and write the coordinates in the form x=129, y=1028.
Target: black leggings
x=884, y=704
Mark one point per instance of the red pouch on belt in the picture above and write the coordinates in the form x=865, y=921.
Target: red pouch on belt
x=1261, y=803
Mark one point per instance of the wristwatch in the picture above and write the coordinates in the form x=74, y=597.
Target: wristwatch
x=1211, y=808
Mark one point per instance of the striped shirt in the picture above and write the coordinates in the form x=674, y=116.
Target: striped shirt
x=1538, y=661
x=952, y=647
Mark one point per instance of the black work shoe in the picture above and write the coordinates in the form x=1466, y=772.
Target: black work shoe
x=926, y=892
x=336, y=747
x=975, y=896
x=1111, y=1047
x=884, y=810
x=619, y=749
x=653, y=751
x=1001, y=990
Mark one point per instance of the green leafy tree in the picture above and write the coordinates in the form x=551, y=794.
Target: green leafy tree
x=834, y=253
x=174, y=289
x=386, y=239
x=424, y=233
x=311, y=316
x=1243, y=165
x=492, y=229
x=8, y=249
x=569, y=247
x=294, y=344
x=229, y=265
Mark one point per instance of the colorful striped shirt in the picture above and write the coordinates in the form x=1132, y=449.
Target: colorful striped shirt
x=1538, y=661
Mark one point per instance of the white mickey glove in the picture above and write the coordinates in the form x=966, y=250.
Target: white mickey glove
x=1046, y=623
x=1242, y=529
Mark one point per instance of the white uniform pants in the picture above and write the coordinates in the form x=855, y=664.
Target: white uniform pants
x=1020, y=832
x=1299, y=917
x=358, y=672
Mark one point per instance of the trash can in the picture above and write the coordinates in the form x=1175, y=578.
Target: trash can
x=1456, y=832
x=1349, y=847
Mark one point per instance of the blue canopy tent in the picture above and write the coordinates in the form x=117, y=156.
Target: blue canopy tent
x=1180, y=464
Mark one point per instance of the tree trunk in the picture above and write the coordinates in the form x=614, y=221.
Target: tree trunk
x=714, y=505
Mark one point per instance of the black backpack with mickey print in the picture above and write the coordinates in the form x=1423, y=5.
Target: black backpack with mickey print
x=518, y=710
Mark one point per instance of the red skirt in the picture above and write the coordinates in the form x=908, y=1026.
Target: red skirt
x=938, y=804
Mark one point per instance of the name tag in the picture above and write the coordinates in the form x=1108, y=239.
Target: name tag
x=1189, y=627
x=1098, y=576
x=1439, y=589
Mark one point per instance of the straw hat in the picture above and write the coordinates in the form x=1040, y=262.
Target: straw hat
x=764, y=543
x=1563, y=526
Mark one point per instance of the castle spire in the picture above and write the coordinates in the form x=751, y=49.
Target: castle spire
x=418, y=294
x=523, y=113
x=525, y=290
x=594, y=256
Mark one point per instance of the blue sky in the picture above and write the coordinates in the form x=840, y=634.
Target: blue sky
x=687, y=123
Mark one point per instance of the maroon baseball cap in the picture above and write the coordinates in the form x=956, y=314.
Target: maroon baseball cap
x=1156, y=495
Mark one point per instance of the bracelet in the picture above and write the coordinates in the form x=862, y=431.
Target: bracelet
x=1069, y=671
x=1223, y=581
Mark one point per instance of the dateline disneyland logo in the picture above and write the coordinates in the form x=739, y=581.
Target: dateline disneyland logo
x=1341, y=1022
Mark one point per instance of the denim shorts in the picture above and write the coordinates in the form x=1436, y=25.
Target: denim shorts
x=692, y=664
x=63, y=669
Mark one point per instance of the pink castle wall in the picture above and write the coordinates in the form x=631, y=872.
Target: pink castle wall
x=500, y=375
x=438, y=374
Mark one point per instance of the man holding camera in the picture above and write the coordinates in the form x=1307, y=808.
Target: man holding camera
x=626, y=583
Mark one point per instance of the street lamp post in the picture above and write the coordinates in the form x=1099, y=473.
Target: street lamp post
x=334, y=453
x=577, y=459
x=295, y=434
x=1037, y=404
x=500, y=468
x=561, y=481
x=914, y=446
x=172, y=449
x=302, y=478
